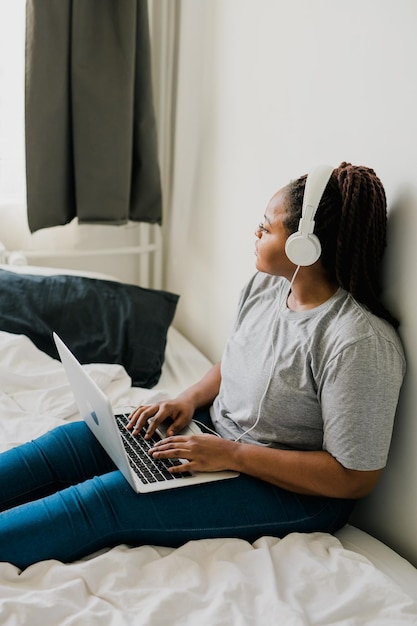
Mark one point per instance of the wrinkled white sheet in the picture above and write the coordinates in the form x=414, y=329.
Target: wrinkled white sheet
x=35, y=395
x=299, y=580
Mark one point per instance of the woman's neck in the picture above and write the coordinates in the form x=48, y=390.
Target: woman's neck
x=309, y=294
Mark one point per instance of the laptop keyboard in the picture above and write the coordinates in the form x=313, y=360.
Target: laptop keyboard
x=149, y=470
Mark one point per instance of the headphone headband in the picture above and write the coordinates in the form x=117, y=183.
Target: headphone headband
x=303, y=247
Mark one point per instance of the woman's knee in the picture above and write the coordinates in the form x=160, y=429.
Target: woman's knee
x=73, y=452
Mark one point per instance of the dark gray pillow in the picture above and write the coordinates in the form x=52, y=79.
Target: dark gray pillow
x=101, y=321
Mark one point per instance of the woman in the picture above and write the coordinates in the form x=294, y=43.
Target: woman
x=302, y=406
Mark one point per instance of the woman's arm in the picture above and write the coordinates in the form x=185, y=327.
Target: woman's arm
x=204, y=392
x=311, y=473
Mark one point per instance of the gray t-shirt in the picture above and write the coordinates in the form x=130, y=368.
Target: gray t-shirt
x=336, y=374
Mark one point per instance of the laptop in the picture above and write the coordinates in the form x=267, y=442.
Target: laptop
x=129, y=452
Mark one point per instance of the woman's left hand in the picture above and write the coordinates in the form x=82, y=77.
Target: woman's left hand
x=204, y=453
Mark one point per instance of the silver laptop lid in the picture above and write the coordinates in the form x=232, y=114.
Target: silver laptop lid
x=95, y=409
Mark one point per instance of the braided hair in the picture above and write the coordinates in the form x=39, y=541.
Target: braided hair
x=351, y=224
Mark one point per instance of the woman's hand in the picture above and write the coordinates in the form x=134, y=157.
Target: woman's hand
x=180, y=411
x=204, y=453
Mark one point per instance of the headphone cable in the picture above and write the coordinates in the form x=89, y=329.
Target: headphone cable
x=273, y=362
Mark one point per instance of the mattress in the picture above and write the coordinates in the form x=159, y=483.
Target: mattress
x=316, y=578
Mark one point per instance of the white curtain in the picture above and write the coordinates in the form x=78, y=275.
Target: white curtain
x=180, y=31
x=12, y=143
x=164, y=18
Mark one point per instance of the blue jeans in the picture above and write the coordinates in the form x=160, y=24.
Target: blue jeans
x=62, y=498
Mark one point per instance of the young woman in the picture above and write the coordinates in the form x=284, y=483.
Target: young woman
x=302, y=405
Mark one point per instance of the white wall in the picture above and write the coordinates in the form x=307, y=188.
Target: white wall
x=267, y=89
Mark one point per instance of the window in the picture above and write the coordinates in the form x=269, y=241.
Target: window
x=12, y=143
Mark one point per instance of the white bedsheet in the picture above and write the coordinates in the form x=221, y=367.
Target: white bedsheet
x=302, y=579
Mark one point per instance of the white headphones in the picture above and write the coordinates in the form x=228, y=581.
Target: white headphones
x=303, y=247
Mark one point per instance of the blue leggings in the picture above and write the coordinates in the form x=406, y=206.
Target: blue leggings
x=62, y=498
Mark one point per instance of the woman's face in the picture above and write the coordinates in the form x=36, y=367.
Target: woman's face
x=271, y=236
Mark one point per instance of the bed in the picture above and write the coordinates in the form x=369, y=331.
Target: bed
x=347, y=579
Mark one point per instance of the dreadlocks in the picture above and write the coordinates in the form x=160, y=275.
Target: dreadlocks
x=351, y=224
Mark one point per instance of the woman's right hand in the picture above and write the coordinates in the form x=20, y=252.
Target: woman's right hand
x=179, y=410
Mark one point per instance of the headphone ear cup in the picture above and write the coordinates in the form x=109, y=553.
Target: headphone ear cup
x=303, y=249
